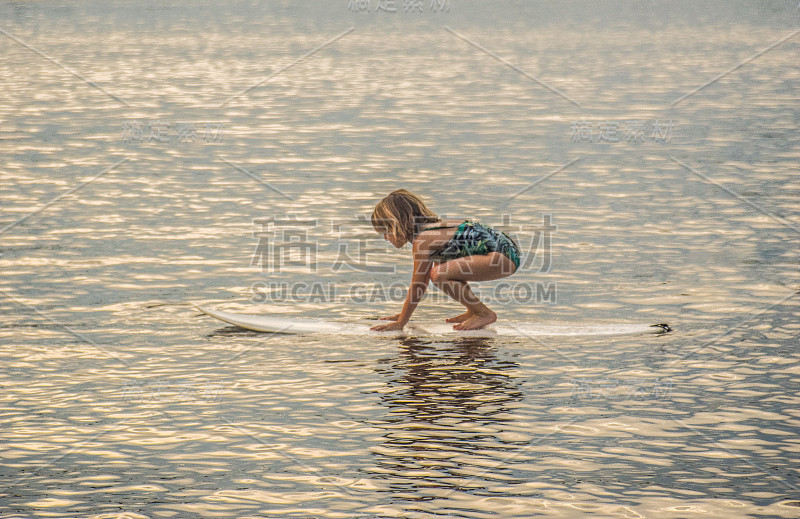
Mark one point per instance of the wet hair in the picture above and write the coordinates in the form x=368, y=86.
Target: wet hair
x=401, y=213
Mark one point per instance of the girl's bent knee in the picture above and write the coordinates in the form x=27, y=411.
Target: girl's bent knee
x=437, y=275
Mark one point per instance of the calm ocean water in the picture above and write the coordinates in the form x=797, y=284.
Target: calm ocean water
x=160, y=155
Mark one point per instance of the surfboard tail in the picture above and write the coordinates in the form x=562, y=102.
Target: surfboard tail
x=664, y=327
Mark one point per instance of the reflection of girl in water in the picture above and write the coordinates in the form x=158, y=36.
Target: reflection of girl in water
x=445, y=405
x=465, y=380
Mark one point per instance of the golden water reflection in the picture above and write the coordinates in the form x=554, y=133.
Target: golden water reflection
x=446, y=405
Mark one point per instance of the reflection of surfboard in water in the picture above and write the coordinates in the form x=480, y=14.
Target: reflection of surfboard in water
x=280, y=324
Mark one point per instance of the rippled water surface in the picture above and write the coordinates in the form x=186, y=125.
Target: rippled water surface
x=159, y=155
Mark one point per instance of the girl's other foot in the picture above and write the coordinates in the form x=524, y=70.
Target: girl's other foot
x=477, y=321
x=459, y=318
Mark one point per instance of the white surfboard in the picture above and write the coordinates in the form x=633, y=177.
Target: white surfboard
x=281, y=324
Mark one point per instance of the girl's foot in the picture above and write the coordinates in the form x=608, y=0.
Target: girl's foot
x=477, y=321
x=459, y=318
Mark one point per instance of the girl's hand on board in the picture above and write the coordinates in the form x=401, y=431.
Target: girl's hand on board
x=388, y=327
x=390, y=318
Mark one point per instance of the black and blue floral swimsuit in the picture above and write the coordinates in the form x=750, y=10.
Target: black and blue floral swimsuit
x=473, y=238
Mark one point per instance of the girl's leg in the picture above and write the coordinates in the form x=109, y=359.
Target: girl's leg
x=452, y=278
x=477, y=315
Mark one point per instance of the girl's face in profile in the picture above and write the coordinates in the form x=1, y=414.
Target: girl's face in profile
x=390, y=236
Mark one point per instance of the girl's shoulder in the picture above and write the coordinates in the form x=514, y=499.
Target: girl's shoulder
x=442, y=224
x=434, y=235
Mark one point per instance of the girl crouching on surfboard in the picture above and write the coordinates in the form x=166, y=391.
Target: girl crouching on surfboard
x=449, y=253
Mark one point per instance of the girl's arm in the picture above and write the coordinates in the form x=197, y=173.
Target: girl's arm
x=419, y=284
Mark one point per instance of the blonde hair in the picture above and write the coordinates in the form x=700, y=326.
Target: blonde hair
x=401, y=213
